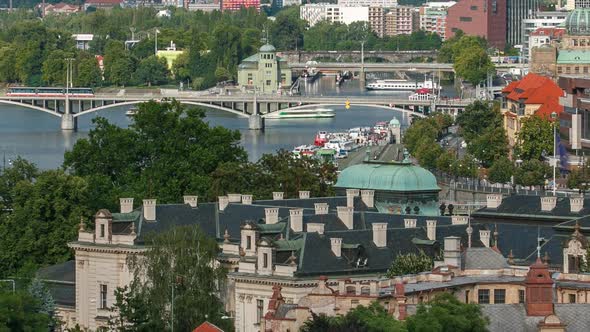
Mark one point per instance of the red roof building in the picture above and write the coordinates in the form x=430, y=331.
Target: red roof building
x=207, y=327
x=102, y=3
x=532, y=95
x=234, y=5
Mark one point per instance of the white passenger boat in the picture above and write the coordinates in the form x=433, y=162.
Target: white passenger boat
x=303, y=113
x=402, y=85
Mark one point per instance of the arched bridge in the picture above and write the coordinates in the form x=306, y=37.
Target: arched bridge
x=255, y=108
x=355, y=56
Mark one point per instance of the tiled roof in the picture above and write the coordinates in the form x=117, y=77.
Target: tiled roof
x=552, y=105
x=552, y=32
x=533, y=89
x=60, y=281
x=482, y=258
x=207, y=327
x=513, y=318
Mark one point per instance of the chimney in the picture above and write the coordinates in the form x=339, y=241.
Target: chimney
x=126, y=205
x=576, y=204
x=452, y=253
x=346, y=214
x=271, y=215
x=247, y=199
x=321, y=208
x=191, y=200
x=410, y=223
x=493, y=200
x=296, y=219
x=315, y=227
x=149, y=209
x=303, y=194
x=336, y=244
x=380, y=234
x=277, y=195
x=223, y=202
x=234, y=198
x=548, y=203
x=368, y=197
x=431, y=229
x=350, y=195
x=484, y=237
x=459, y=220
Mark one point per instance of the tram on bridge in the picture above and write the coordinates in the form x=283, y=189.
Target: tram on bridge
x=49, y=92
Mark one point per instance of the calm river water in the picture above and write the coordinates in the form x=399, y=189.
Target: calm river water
x=36, y=135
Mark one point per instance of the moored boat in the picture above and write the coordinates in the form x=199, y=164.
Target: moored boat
x=303, y=113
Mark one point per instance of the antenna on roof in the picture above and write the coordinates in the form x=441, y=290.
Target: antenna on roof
x=538, y=242
x=469, y=228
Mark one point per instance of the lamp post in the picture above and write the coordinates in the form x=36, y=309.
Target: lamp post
x=156, y=42
x=554, y=117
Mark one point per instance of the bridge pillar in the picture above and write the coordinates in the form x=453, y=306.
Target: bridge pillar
x=68, y=122
x=256, y=122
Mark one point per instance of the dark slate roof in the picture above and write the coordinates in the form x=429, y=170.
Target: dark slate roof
x=482, y=258
x=60, y=281
x=458, y=281
x=529, y=207
x=513, y=318
x=309, y=203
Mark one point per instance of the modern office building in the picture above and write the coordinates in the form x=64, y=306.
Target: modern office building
x=541, y=19
x=368, y=3
x=314, y=13
x=433, y=17
x=400, y=21
x=480, y=18
x=575, y=4
x=516, y=11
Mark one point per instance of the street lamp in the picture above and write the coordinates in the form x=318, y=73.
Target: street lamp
x=156, y=42
x=554, y=117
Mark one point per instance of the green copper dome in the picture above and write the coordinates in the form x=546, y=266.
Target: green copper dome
x=267, y=48
x=578, y=22
x=380, y=176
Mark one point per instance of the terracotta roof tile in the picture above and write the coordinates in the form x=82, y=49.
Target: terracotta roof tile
x=207, y=327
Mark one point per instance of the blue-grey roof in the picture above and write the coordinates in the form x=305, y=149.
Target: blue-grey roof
x=482, y=258
x=267, y=48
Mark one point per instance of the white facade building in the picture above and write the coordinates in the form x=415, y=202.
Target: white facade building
x=541, y=20
x=368, y=3
x=315, y=13
x=574, y=4
x=433, y=17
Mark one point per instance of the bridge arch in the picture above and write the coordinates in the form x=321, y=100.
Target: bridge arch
x=29, y=106
x=185, y=102
x=386, y=107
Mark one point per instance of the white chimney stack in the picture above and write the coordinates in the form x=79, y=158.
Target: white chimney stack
x=149, y=209
x=459, y=220
x=548, y=203
x=126, y=205
x=493, y=200
x=271, y=215
x=484, y=237
x=278, y=195
x=576, y=204
x=247, y=199
x=350, y=195
x=410, y=223
x=380, y=234
x=234, y=198
x=223, y=202
x=191, y=200
x=368, y=197
x=296, y=219
x=315, y=227
x=431, y=229
x=346, y=214
x=321, y=208
x=452, y=251
x=336, y=244
x=304, y=194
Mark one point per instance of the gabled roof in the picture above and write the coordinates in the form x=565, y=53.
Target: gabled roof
x=207, y=327
x=533, y=89
x=552, y=105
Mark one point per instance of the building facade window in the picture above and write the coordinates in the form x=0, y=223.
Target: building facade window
x=268, y=82
x=265, y=260
x=259, y=310
x=483, y=296
x=248, y=242
x=572, y=298
x=473, y=7
x=103, y=296
x=102, y=230
x=465, y=19
x=499, y=296
x=521, y=296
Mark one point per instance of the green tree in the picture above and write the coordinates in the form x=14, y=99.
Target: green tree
x=410, y=263
x=535, y=138
x=532, y=173
x=20, y=170
x=7, y=69
x=20, y=312
x=501, y=170
x=167, y=152
x=373, y=318
x=446, y=313
x=88, y=73
x=152, y=70
x=473, y=64
x=286, y=32
x=45, y=217
x=54, y=68
x=182, y=261
x=428, y=153
x=118, y=63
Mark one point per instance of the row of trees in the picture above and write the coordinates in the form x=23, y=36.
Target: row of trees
x=481, y=126
x=443, y=313
x=469, y=56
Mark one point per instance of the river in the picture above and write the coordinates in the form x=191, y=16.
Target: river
x=36, y=136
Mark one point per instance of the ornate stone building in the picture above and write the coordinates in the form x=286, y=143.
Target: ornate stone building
x=264, y=71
